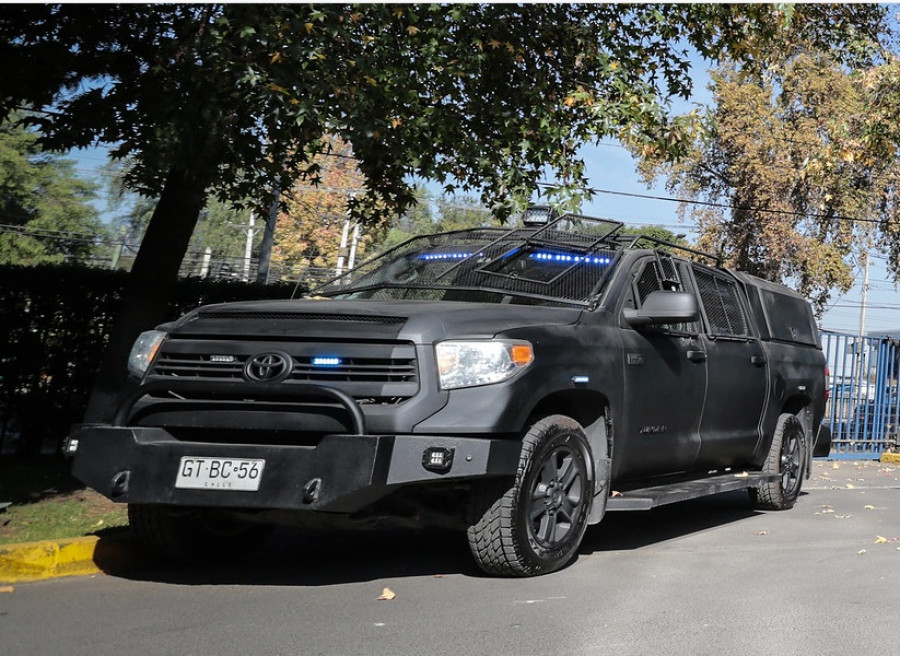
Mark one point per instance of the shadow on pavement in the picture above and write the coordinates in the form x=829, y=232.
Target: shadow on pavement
x=626, y=531
x=292, y=557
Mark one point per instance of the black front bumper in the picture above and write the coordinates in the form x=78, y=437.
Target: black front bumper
x=343, y=473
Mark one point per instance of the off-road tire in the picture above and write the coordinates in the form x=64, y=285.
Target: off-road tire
x=787, y=458
x=193, y=534
x=534, y=524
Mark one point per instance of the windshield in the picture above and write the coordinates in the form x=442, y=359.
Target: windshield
x=544, y=266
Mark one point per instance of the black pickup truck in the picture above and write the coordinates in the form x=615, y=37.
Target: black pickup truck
x=515, y=383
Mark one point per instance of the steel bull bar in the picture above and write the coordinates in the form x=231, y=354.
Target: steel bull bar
x=341, y=473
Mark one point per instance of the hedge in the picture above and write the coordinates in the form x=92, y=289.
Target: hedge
x=54, y=327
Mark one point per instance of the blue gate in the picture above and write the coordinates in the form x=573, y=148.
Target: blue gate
x=864, y=402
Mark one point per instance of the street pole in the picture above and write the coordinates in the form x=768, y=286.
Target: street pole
x=865, y=295
x=342, y=250
x=248, y=249
x=353, y=243
x=863, y=347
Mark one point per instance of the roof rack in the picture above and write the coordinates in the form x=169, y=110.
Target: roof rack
x=630, y=241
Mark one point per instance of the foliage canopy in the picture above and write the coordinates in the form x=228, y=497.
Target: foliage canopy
x=796, y=168
x=46, y=213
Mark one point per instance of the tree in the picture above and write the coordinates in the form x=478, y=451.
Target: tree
x=45, y=208
x=309, y=231
x=793, y=172
x=227, y=99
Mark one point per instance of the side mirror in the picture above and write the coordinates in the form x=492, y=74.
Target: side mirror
x=665, y=307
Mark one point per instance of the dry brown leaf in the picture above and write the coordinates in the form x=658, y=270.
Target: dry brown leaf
x=386, y=595
x=4, y=589
x=869, y=507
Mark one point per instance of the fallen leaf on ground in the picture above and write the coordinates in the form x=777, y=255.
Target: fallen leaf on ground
x=615, y=494
x=861, y=552
x=6, y=588
x=760, y=533
x=386, y=595
x=880, y=539
x=869, y=507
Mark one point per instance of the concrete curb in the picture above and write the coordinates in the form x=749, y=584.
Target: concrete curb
x=36, y=561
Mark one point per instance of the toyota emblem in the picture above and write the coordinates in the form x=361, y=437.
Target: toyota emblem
x=268, y=367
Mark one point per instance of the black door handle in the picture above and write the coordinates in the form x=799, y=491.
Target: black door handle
x=696, y=356
x=757, y=360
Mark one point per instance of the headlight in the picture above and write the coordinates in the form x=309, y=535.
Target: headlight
x=143, y=352
x=471, y=363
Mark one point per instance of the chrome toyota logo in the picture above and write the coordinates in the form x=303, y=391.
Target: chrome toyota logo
x=268, y=367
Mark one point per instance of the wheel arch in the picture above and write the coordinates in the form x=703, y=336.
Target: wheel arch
x=801, y=406
x=590, y=409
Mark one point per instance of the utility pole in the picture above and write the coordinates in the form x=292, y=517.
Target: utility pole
x=345, y=235
x=863, y=347
x=342, y=250
x=207, y=257
x=865, y=295
x=353, y=243
x=248, y=249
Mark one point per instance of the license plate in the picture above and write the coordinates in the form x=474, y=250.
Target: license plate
x=230, y=474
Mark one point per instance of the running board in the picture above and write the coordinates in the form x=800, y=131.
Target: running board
x=661, y=495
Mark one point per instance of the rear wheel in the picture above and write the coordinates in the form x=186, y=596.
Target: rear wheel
x=787, y=458
x=193, y=534
x=534, y=524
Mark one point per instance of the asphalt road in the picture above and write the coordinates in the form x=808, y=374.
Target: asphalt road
x=704, y=577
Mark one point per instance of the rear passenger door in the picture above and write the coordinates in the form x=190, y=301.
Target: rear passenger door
x=736, y=367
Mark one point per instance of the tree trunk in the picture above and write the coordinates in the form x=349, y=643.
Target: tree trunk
x=150, y=286
x=265, y=249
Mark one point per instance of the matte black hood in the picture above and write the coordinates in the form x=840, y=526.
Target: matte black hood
x=419, y=322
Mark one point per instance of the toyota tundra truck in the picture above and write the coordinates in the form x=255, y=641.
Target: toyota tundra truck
x=514, y=383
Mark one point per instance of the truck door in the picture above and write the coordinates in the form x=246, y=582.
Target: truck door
x=736, y=366
x=665, y=383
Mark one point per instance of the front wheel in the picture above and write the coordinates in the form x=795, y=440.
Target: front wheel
x=534, y=525
x=787, y=458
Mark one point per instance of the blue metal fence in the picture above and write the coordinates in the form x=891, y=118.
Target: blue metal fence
x=864, y=404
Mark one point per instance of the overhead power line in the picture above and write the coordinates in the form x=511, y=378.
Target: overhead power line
x=704, y=203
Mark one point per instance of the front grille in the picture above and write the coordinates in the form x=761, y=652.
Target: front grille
x=379, y=370
x=197, y=366
x=394, y=370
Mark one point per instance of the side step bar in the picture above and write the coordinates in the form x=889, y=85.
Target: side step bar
x=661, y=495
